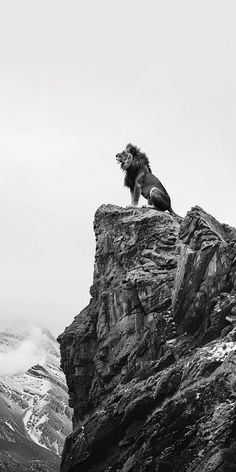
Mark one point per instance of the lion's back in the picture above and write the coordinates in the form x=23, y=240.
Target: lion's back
x=150, y=182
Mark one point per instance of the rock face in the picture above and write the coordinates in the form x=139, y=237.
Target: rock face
x=151, y=362
x=34, y=414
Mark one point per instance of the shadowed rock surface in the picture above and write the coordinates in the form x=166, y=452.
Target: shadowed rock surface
x=151, y=362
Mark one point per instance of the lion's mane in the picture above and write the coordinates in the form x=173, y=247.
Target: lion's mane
x=140, y=161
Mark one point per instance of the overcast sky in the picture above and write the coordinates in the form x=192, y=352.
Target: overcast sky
x=78, y=81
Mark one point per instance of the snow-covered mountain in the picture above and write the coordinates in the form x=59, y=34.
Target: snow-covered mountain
x=34, y=412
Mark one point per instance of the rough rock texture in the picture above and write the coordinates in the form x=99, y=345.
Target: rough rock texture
x=151, y=362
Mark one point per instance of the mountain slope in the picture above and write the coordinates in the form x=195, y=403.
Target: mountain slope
x=18, y=453
x=34, y=412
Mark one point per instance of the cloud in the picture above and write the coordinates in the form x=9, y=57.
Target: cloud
x=30, y=351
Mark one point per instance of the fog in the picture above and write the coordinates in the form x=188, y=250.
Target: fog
x=30, y=351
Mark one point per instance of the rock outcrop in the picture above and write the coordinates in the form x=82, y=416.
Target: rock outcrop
x=151, y=362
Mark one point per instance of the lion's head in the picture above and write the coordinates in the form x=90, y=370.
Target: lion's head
x=125, y=158
x=132, y=158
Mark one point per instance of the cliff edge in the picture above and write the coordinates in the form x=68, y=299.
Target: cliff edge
x=150, y=363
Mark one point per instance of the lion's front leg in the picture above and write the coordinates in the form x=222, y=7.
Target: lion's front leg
x=136, y=194
x=134, y=199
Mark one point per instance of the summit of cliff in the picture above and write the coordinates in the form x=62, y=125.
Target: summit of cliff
x=150, y=363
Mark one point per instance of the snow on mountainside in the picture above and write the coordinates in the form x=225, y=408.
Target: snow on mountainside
x=33, y=392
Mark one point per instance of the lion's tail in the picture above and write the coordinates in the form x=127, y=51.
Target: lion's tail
x=172, y=212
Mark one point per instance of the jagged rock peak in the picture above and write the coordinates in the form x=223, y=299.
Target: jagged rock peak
x=150, y=362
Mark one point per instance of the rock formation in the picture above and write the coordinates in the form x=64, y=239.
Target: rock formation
x=151, y=362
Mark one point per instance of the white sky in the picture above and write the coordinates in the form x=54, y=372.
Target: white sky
x=78, y=81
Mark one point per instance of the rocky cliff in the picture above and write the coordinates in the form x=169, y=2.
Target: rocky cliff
x=151, y=362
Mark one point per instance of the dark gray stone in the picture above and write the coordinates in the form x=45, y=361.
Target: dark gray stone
x=151, y=362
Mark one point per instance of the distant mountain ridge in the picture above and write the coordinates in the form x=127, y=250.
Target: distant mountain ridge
x=34, y=413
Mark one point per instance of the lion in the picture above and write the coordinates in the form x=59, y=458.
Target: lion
x=141, y=181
